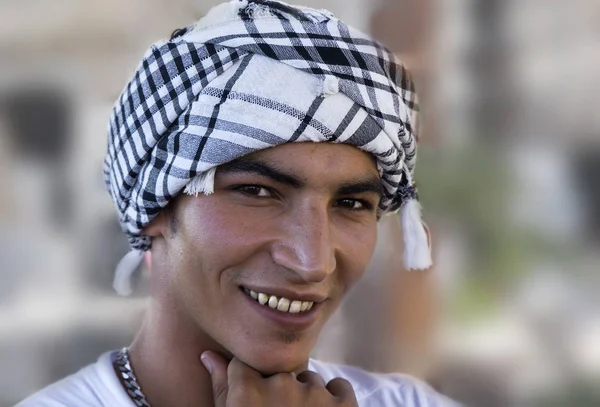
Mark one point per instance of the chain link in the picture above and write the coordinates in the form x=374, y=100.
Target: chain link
x=123, y=366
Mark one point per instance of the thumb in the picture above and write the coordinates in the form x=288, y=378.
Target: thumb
x=217, y=367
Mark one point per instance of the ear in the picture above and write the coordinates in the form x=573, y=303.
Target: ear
x=158, y=227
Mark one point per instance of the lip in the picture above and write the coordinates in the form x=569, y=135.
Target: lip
x=290, y=295
x=295, y=322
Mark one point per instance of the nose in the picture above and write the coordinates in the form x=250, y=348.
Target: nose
x=306, y=245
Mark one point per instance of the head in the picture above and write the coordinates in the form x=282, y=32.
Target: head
x=289, y=155
x=283, y=222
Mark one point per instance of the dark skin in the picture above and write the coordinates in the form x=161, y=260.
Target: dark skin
x=298, y=219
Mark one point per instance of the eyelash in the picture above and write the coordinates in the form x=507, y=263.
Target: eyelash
x=246, y=189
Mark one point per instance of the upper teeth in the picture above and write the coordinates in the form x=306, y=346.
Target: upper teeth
x=280, y=303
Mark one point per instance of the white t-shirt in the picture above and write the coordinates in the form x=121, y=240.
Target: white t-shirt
x=97, y=385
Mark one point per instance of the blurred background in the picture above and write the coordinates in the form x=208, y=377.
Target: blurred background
x=509, y=176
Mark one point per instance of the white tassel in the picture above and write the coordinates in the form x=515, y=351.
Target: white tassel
x=125, y=269
x=417, y=252
x=203, y=183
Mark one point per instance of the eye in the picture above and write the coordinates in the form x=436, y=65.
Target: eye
x=255, y=190
x=354, y=204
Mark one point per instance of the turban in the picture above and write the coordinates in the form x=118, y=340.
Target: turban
x=248, y=76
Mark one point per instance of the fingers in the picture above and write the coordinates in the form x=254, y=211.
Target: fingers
x=243, y=384
x=236, y=383
x=239, y=372
x=217, y=367
x=312, y=378
x=341, y=388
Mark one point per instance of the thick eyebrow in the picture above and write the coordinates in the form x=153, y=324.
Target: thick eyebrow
x=248, y=165
x=370, y=185
x=257, y=167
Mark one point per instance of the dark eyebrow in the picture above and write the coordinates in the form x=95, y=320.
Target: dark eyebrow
x=370, y=185
x=248, y=165
x=260, y=168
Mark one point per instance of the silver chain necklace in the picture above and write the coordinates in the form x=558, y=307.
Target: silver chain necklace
x=132, y=387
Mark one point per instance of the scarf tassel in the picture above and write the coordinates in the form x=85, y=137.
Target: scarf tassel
x=125, y=269
x=417, y=251
x=203, y=183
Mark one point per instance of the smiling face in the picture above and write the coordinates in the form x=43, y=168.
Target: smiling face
x=297, y=222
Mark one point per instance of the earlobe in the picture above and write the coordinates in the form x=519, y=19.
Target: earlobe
x=156, y=227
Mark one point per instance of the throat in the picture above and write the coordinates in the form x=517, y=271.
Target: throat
x=165, y=361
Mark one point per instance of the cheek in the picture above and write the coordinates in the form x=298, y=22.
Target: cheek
x=358, y=251
x=214, y=233
x=210, y=241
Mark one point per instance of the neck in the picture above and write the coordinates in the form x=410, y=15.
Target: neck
x=166, y=359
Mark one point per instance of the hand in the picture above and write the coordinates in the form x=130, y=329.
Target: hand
x=238, y=385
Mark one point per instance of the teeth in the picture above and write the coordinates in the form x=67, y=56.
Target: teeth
x=281, y=304
x=273, y=302
x=295, y=307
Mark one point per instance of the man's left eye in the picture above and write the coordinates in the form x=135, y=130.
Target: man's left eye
x=255, y=190
x=354, y=204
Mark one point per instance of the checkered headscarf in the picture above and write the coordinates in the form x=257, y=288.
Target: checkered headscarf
x=248, y=76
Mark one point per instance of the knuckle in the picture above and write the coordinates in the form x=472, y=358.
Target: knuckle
x=311, y=379
x=339, y=381
x=309, y=374
x=282, y=381
x=341, y=388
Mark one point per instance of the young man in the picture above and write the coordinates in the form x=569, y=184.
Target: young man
x=250, y=158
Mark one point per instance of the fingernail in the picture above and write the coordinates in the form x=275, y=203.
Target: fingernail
x=206, y=363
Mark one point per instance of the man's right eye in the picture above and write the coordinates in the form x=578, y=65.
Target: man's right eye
x=255, y=190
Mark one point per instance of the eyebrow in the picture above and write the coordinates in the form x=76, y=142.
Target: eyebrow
x=260, y=168
x=371, y=184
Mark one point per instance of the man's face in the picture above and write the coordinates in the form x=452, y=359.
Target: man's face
x=296, y=221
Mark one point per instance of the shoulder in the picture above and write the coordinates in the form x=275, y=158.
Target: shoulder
x=378, y=389
x=92, y=386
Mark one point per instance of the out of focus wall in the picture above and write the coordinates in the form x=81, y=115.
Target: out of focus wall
x=508, y=174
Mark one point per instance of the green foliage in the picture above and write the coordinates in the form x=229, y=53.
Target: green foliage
x=473, y=187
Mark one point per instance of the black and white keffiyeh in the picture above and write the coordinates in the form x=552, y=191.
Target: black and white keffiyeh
x=248, y=76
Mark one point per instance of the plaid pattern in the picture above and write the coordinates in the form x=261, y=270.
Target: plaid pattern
x=195, y=100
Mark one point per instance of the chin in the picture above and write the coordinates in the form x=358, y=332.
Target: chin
x=270, y=362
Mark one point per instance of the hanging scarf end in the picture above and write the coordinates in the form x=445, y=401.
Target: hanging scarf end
x=417, y=251
x=125, y=269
